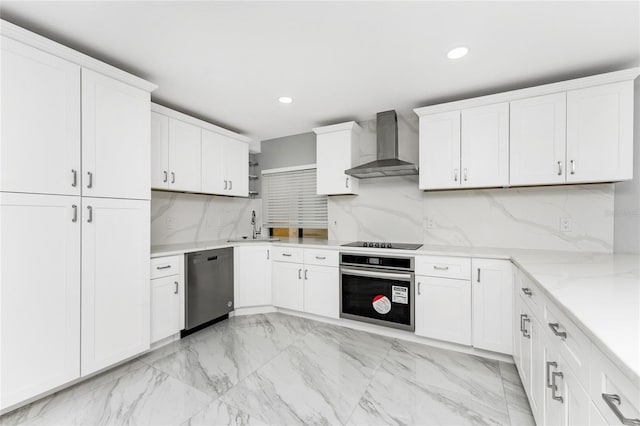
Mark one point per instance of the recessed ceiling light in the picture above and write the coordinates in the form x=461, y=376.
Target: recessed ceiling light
x=457, y=53
x=285, y=99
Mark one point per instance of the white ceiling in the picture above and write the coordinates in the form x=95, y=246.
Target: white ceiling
x=228, y=62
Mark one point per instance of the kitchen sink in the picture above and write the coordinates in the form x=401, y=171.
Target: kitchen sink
x=251, y=240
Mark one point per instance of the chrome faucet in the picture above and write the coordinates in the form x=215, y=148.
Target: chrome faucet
x=256, y=232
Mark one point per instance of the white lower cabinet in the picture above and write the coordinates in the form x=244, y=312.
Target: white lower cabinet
x=252, y=275
x=39, y=295
x=167, y=296
x=115, y=281
x=321, y=290
x=288, y=285
x=443, y=309
x=492, y=306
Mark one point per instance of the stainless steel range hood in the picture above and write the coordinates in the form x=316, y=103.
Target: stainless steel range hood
x=388, y=163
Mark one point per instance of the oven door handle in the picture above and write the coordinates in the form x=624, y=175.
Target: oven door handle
x=361, y=273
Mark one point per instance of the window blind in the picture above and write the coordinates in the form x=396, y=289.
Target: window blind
x=290, y=200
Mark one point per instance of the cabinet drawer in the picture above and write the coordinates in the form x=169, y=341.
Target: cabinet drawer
x=572, y=344
x=321, y=257
x=444, y=267
x=165, y=266
x=288, y=254
x=607, y=379
x=530, y=293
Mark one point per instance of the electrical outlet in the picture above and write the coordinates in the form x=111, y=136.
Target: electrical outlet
x=566, y=224
x=430, y=223
x=170, y=223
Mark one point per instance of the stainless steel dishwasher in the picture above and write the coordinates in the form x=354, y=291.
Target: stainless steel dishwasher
x=209, y=286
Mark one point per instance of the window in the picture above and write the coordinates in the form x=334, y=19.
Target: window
x=290, y=203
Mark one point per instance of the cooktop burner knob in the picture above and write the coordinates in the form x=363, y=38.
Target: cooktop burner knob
x=389, y=245
x=378, y=245
x=370, y=244
x=364, y=244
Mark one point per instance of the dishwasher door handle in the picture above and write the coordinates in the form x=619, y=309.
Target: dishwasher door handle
x=204, y=259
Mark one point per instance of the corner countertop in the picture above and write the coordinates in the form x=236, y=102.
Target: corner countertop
x=599, y=292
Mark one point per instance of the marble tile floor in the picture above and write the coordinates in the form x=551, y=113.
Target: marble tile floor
x=277, y=369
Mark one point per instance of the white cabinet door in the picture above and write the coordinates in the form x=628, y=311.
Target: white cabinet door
x=575, y=400
x=237, y=163
x=159, y=151
x=287, y=285
x=440, y=151
x=40, y=142
x=492, y=290
x=115, y=139
x=321, y=291
x=39, y=295
x=252, y=276
x=165, y=306
x=536, y=387
x=115, y=281
x=523, y=342
x=485, y=146
x=600, y=133
x=337, y=150
x=184, y=156
x=538, y=140
x=443, y=309
x=214, y=179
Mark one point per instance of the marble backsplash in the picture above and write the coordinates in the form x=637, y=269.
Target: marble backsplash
x=394, y=209
x=185, y=218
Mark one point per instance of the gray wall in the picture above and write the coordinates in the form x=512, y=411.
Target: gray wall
x=626, y=210
x=288, y=151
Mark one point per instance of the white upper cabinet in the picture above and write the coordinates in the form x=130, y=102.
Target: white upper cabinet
x=538, y=140
x=115, y=138
x=600, y=133
x=40, y=141
x=440, y=151
x=225, y=165
x=39, y=299
x=576, y=131
x=337, y=149
x=184, y=156
x=485, y=146
x=115, y=281
x=159, y=151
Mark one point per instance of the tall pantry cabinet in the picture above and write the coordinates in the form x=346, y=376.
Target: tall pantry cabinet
x=74, y=215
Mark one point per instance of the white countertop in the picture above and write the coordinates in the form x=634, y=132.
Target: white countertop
x=599, y=292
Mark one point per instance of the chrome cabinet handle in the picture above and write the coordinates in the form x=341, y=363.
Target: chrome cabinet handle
x=527, y=291
x=90, y=184
x=225, y=185
x=441, y=268
x=573, y=167
x=455, y=175
x=267, y=254
x=346, y=182
x=550, y=364
x=230, y=185
x=90, y=219
x=554, y=326
x=522, y=317
x=166, y=176
x=75, y=213
x=163, y=267
x=176, y=290
x=610, y=399
x=554, y=386
x=74, y=172
x=173, y=177
x=286, y=254
x=465, y=174
x=525, y=332
x=321, y=257
x=478, y=274
x=305, y=273
x=299, y=274
x=419, y=288
x=559, y=168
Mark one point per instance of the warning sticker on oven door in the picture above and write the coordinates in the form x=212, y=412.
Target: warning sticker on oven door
x=381, y=304
x=400, y=294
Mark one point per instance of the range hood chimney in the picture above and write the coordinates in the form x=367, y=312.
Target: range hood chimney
x=387, y=163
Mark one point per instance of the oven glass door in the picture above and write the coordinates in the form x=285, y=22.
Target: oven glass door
x=379, y=297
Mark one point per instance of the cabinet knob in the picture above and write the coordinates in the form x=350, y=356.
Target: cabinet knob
x=559, y=168
x=74, y=172
x=90, y=176
x=75, y=213
x=346, y=182
x=90, y=218
x=176, y=290
x=573, y=167
x=225, y=185
x=173, y=177
x=230, y=185
x=419, y=288
x=166, y=177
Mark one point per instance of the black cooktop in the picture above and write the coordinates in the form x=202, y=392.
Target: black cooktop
x=371, y=244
